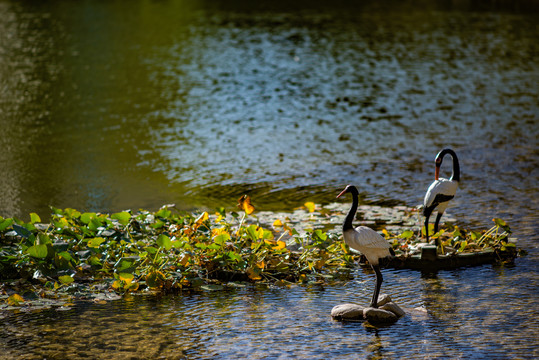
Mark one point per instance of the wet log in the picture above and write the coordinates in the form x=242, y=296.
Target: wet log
x=426, y=261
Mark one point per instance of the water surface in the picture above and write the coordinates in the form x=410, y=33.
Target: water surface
x=467, y=318
x=106, y=106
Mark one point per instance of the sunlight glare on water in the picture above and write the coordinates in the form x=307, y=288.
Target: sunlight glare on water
x=262, y=323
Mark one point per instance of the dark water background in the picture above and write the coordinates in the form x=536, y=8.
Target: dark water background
x=106, y=106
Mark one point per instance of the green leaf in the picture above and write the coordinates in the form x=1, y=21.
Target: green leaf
x=164, y=242
x=178, y=244
x=38, y=251
x=267, y=234
x=124, y=264
x=253, y=232
x=164, y=213
x=43, y=239
x=94, y=260
x=56, y=211
x=87, y=217
x=94, y=224
x=474, y=235
x=65, y=279
x=150, y=249
x=72, y=213
x=61, y=223
x=321, y=235
x=158, y=224
x=154, y=279
x=406, y=234
x=499, y=222
x=34, y=218
x=234, y=256
x=127, y=277
x=95, y=242
x=123, y=217
x=5, y=224
x=221, y=210
x=65, y=255
x=221, y=239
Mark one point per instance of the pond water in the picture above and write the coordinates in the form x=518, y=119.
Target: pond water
x=487, y=312
x=106, y=106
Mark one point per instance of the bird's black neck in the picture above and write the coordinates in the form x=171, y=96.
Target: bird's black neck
x=352, y=212
x=455, y=175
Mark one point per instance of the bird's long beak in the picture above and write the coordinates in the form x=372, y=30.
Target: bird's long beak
x=342, y=192
x=437, y=173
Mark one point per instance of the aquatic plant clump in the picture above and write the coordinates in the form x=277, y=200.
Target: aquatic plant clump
x=454, y=240
x=169, y=250
x=162, y=250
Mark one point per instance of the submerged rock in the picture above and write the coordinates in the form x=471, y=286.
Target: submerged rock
x=379, y=316
x=383, y=299
x=386, y=313
x=347, y=312
x=394, y=308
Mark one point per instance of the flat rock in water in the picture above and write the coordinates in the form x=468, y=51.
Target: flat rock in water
x=387, y=312
x=379, y=316
x=394, y=308
x=383, y=299
x=347, y=312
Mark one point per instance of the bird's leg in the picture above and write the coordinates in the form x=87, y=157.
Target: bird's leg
x=427, y=227
x=438, y=217
x=379, y=279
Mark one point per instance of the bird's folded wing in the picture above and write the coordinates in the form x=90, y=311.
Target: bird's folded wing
x=367, y=237
x=443, y=187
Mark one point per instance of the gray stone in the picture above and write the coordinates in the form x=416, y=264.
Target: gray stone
x=394, y=308
x=383, y=299
x=379, y=316
x=387, y=312
x=347, y=312
x=43, y=227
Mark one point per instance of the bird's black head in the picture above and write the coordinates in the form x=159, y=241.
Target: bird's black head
x=456, y=168
x=348, y=189
x=441, y=154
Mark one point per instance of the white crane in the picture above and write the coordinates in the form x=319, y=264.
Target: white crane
x=441, y=191
x=365, y=240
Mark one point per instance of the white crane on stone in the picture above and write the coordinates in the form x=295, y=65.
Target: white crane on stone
x=441, y=191
x=365, y=240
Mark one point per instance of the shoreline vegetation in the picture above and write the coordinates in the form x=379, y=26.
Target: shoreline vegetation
x=101, y=257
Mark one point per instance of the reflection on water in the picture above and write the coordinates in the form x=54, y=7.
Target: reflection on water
x=110, y=108
x=481, y=316
x=105, y=107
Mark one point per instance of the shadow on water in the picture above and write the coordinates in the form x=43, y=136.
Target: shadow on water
x=106, y=106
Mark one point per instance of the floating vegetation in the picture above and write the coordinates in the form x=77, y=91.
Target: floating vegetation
x=102, y=256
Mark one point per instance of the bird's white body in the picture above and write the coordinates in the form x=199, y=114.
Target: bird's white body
x=441, y=191
x=368, y=242
x=440, y=187
x=365, y=240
